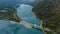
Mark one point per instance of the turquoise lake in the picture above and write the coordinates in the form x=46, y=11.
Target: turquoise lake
x=26, y=14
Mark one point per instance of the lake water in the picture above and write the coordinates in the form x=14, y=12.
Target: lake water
x=26, y=14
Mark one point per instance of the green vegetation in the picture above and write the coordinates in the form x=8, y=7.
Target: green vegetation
x=49, y=13
x=9, y=14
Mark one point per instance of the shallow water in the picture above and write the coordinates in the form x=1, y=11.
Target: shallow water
x=27, y=15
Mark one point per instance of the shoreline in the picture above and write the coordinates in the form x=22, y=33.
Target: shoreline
x=42, y=27
x=28, y=25
x=46, y=29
